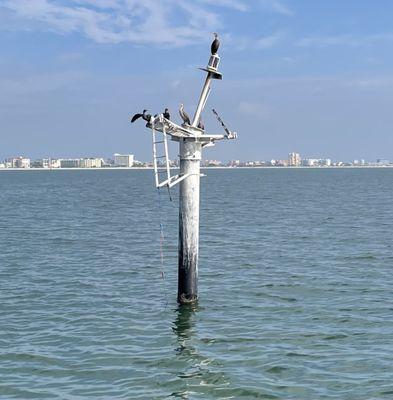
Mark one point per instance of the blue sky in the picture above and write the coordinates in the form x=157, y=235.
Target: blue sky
x=312, y=76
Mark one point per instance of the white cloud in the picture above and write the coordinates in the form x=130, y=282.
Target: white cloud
x=235, y=4
x=157, y=22
x=115, y=21
x=248, y=43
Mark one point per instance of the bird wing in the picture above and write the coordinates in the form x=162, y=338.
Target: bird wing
x=135, y=117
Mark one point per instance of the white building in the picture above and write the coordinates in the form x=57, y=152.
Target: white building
x=294, y=159
x=48, y=163
x=91, y=162
x=54, y=163
x=18, y=162
x=316, y=162
x=45, y=163
x=123, y=160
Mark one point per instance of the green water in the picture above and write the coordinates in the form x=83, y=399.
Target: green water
x=295, y=287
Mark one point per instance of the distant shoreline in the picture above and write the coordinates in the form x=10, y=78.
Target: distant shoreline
x=233, y=168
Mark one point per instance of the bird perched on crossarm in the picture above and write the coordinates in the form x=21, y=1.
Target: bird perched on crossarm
x=184, y=116
x=166, y=114
x=146, y=117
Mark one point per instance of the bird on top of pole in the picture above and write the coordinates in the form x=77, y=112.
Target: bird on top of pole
x=215, y=44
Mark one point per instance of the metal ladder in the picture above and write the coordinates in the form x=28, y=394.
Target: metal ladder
x=161, y=162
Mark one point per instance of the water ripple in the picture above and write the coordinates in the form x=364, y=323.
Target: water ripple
x=295, y=287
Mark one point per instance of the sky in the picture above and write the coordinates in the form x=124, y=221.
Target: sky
x=310, y=76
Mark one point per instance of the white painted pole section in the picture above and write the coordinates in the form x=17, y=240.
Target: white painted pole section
x=202, y=100
x=190, y=160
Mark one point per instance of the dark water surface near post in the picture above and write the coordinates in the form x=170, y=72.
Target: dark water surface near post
x=296, y=280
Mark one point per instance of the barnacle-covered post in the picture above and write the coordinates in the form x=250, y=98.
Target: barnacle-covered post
x=190, y=162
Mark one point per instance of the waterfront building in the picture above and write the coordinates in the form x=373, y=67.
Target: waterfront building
x=212, y=163
x=46, y=163
x=18, y=162
x=123, y=160
x=70, y=163
x=234, y=163
x=54, y=163
x=316, y=162
x=282, y=163
x=91, y=162
x=294, y=159
x=382, y=161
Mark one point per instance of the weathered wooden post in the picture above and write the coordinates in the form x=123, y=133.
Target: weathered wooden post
x=192, y=138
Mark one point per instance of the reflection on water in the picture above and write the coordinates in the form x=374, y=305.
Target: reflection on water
x=184, y=328
x=199, y=374
x=184, y=322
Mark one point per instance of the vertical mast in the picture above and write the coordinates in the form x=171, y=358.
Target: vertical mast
x=190, y=162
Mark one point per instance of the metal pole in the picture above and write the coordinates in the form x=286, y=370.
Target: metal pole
x=190, y=160
x=190, y=163
x=202, y=99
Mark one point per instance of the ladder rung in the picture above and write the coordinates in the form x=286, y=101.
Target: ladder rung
x=160, y=156
x=159, y=141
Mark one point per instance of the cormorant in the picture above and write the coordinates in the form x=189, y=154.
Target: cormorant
x=145, y=116
x=201, y=125
x=166, y=114
x=184, y=116
x=215, y=44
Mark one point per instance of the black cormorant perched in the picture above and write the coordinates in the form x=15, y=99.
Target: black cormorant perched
x=166, y=114
x=184, y=116
x=145, y=116
x=201, y=125
x=215, y=44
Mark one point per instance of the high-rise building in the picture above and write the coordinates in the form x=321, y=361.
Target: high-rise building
x=123, y=160
x=18, y=162
x=294, y=159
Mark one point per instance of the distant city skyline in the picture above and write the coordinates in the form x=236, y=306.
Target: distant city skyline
x=128, y=161
x=311, y=76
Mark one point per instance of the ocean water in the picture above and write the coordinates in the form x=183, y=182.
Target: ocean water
x=296, y=287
